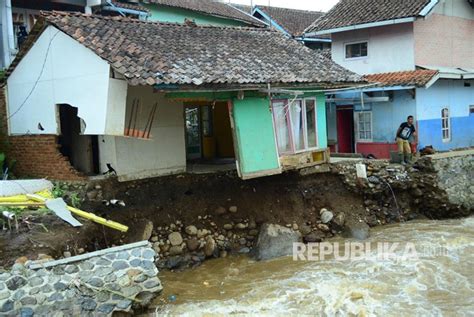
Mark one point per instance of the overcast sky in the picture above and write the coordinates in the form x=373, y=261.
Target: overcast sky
x=314, y=5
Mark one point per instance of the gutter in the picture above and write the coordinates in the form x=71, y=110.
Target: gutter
x=312, y=39
x=271, y=22
x=362, y=26
x=112, y=7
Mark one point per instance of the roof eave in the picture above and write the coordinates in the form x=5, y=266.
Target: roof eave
x=361, y=26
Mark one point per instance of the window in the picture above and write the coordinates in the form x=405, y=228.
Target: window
x=471, y=109
x=295, y=125
x=445, y=125
x=355, y=50
x=364, y=125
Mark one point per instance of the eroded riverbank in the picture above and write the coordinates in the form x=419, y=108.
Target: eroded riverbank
x=440, y=282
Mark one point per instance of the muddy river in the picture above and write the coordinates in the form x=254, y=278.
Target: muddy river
x=435, y=280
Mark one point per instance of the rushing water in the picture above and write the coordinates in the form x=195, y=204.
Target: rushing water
x=439, y=282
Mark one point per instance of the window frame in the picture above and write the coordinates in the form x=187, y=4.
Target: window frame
x=357, y=134
x=356, y=57
x=289, y=122
x=471, y=110
x=446, y=119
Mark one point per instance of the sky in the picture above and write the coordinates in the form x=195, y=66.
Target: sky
x=313, y=5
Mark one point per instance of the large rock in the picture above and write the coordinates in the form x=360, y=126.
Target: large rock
x=275, y=241
x=356, y=229
x=175, y=238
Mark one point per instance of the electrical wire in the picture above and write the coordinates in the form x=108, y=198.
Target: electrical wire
x=37, y=80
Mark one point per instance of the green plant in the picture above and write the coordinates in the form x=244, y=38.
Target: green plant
x=58, y=190
x=75, y=200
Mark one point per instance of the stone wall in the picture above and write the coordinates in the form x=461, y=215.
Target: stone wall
x=93, y=284
x=437, y=186
x=455, y=172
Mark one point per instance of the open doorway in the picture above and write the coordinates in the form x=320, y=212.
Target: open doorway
x=82, y=150
x=209, y=141
x=345, y=129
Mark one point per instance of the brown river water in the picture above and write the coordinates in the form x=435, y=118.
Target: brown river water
x=438, y=281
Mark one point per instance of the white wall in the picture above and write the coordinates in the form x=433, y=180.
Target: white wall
x=164, y=153
x=72, y=75
x=390, y=48
x=116, y=107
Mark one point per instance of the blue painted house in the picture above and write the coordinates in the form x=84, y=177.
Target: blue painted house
x=419, y=60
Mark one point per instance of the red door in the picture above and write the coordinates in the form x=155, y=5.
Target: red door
x=345, y=130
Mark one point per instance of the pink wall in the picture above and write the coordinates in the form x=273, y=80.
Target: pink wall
x=442, y=40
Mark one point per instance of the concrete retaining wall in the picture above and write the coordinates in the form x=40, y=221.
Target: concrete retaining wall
x=92, y=284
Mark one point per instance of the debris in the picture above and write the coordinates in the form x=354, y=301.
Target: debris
x=326, y=215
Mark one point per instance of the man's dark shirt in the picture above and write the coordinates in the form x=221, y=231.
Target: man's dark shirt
x=405, y=131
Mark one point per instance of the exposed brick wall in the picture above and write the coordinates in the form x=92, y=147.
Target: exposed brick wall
x=35, y=155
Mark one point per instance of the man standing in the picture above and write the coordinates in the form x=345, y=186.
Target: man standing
x=404, y=132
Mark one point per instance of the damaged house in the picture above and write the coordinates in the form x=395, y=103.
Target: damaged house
x=419, y=56
x=91, y=95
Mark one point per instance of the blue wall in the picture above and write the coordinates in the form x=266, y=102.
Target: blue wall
x=455, y=96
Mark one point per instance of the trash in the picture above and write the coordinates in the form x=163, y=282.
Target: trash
x=361, y=171
x=59, y=207
x=172, y=298
x=114, y=202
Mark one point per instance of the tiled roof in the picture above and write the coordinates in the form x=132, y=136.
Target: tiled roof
x=354, y=12
x=211, y=7
x=418, y=78
x=243, y=7
x=130, y=6
x=292, y=20
x=150, y=53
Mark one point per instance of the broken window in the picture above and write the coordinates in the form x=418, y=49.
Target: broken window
x=295, y=125
x=355, y=50
x=445, y=125
x=364, y=126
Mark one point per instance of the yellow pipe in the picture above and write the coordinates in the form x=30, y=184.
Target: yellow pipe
x=84, y=214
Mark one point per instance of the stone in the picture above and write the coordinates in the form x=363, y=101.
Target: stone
x=275, y=241
x=240, y=226
x=176, y=250
x=191, y=230
x=106, y=308
x=86, y=266
x=152, y=283
x=60, y=286
x=130, y=291
x=202, y=233
x=46, y=288
x=220, y=210
x=28, y=301
x=305, y=229
x=96, y=282
x=55, y=297
x=175, y=238
x=323, y=227
x=316, y=236
x=70, y=269
x=253, y=232
x=21, y=260
x=102, y=296
x=35, y=281
x=147, y=231
x=26, y=312
x=15, y=282
x=233, y=209
x=228, y=226
x=326, y=215
x=18, y=294
x=124, y=304
x=149, y=254
x=210, y=246
x=340, y=219
x=67, y=254
x=4, y=295
x=295, y=226
x=7, y=306
x=120, y=265
x=192, y=244
x=356, y=229
x=103, y=262
x=88, y=304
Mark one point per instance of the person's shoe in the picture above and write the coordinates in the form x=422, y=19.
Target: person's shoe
x=401, y=159
x=408, y=158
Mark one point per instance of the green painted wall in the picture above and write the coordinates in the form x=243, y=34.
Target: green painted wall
x=169, y=14
x=321, y=116
x=255, y=136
